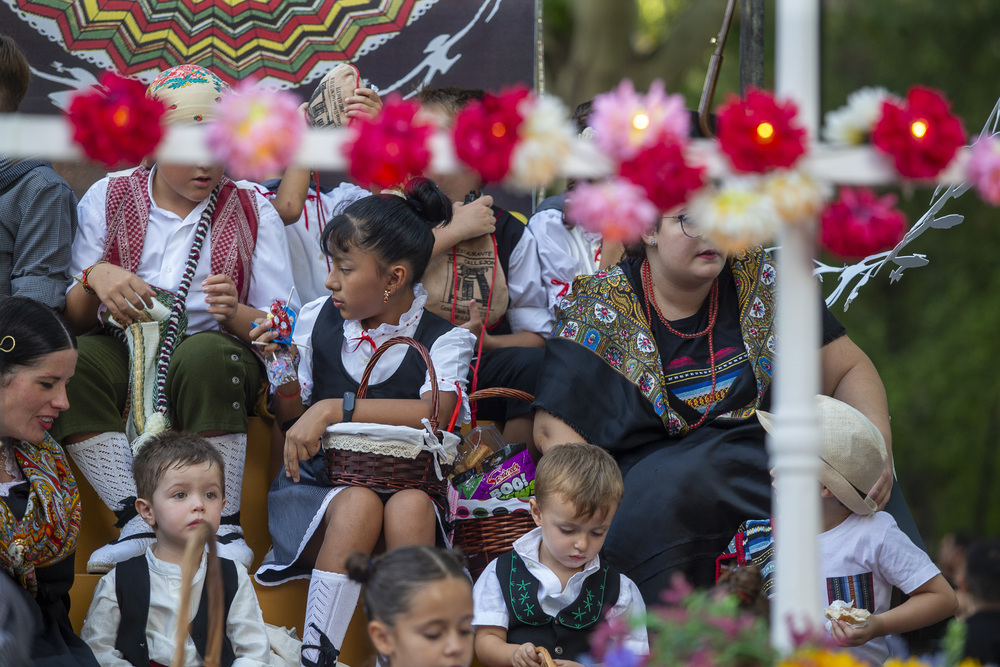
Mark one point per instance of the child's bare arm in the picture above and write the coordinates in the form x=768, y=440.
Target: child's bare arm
x=291, y=196
x=493, y=650
x=932, y=602
x=468, y=221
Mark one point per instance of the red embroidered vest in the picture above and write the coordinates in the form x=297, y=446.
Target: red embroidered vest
x=233, y=231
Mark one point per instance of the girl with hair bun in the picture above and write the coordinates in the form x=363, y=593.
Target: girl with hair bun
x=378, y=247
x=418, y=601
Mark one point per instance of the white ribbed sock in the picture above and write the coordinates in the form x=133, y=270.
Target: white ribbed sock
x=233, y=448
x=329, y=609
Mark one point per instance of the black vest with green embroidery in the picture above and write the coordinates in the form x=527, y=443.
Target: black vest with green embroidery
x=567, y=634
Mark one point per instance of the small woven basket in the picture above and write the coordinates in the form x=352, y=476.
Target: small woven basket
x=384, y=473
x=482, y=540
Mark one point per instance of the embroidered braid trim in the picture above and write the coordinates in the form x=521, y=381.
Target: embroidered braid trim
x=179, y=306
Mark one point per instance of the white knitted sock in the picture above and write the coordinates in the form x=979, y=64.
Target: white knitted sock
x=329, y=609
x=106, y=461
x=230, y=542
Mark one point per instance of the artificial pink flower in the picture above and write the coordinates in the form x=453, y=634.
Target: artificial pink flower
x=984, y=169
x=860, y=223
x=921, y=134
x=615, y=208
x=759, y=134
x=390, y=148
x=114, y=122
x=625, y=122
x=661, y=171
x=257, y=131
x=486, y=132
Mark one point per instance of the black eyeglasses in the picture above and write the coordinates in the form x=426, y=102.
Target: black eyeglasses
x=688, y=225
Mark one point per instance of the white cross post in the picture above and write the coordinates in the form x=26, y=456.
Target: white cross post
x=794, y=447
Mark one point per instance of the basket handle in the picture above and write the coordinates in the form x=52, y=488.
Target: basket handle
x=405, y=340
x=500, y=392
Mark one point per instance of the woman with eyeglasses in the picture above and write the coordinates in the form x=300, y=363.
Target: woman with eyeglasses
x=663, y=360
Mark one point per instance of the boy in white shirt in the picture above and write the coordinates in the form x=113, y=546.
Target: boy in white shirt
x=863, y=553
x=133, y=617
x=215, y=245
x=554, y=587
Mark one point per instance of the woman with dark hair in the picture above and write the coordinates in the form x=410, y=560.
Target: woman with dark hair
x=379, y=248
x=664, y=360
x=39, y=501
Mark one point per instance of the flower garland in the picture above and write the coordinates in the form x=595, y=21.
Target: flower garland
x=390, y=148
x=114, y=122
x=859, y=223
x=486, y=133
x=921, y=135
x=257, y=132
x=758, y=133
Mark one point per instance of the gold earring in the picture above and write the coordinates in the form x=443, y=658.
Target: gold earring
x=7, y=344
x=386, y=298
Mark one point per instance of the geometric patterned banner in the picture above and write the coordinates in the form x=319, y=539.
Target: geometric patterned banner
x=398, y=45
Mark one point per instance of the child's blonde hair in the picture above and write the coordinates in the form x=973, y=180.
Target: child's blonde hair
x=583, y=474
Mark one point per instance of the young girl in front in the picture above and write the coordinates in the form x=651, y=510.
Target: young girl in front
x=378, y=248
x=418, y=601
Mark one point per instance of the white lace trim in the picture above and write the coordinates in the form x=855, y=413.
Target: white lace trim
x=406, y=327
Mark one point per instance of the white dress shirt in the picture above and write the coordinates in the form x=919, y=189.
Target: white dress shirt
x=490, y=608
x=451, y=354
x=168, y=241
x=244, y=626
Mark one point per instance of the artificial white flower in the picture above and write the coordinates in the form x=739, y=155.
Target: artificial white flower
x=736, y=216
x=543, y=142
x=797, y=196
x=852, y=124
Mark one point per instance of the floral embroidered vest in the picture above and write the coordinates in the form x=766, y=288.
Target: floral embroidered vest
x=603, y=313
x=233, y=233
x=567, y=634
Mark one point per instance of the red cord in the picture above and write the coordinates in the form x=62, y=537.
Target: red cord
x=479, y=350
x=458, y=409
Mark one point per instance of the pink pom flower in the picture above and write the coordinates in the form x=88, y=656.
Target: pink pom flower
x=390, y=148
x=615, y=208
x=257, y=131
x=984, y=169
x=115, y=122
x=661, y=171
x=759, y=134
x=625, y=122
x=860, y=223
x=921, y=135
x=486, y=133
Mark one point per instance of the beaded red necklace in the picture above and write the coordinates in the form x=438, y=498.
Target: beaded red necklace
x=713, y=311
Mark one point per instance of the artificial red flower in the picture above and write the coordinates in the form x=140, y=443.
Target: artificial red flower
x=486, y=131
x=115, y=122
x=389, y=148
x=759, y=134
x=921, y=135
x=860, y=223
x=661, y=171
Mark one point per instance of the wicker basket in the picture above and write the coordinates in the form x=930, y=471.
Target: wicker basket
x=482, y=540
x=387, y=474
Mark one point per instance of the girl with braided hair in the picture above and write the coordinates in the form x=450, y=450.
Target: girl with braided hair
x=177, y=244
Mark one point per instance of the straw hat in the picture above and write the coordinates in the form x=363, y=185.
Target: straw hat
x=852, y=456
x=191, y=93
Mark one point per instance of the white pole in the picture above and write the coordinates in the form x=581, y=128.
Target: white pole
x=794, y=448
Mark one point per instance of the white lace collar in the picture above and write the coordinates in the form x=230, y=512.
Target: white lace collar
x=406, y=326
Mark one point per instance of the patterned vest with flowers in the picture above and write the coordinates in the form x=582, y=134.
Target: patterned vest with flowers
x=604, y=314
x=233, y=232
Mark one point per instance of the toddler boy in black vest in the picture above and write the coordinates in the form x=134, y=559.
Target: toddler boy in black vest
x=554, y=588
x=132, y=619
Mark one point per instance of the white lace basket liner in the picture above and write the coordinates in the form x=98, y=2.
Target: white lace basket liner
x=389, y=458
